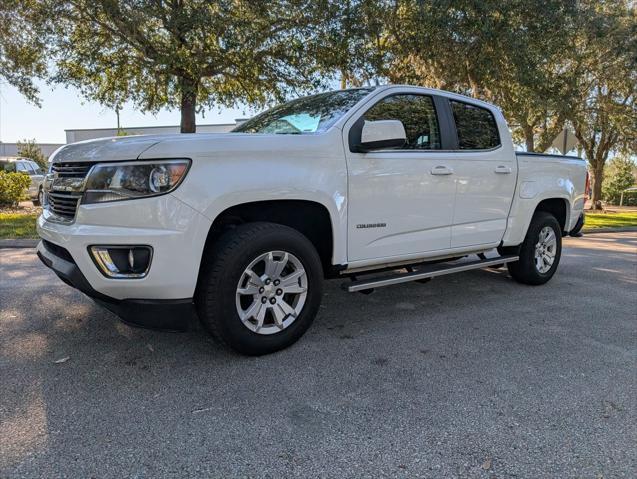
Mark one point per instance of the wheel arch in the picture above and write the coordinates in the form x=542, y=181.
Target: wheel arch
x=310, y=218
x=518, y=224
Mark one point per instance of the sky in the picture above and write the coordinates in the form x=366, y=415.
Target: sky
x=64, y=108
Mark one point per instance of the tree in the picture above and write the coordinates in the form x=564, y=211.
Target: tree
x=22, y=58
x=619, y=175
x=354, y=41
x=503, y=52
x=604, y=111
x=30, y=149
x=186, y=54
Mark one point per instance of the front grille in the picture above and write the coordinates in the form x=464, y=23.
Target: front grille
x=70, y=170
x=63, y=204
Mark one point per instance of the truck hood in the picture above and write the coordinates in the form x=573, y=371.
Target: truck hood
x=198, y=146
x=105, y=149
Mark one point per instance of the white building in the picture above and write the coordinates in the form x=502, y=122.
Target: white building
x=11, y=149
x=74, y=135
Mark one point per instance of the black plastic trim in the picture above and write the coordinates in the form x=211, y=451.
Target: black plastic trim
x=448, y=134
x=160, y=314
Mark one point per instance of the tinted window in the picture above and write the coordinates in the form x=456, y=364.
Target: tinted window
x=21, y=166
x=418, y=115
x=36, y=168
x=476, y=127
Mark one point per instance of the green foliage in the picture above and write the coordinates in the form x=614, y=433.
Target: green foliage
x=504, y=52
x=187, y=54
x=12, y=187
x=604, y=68
x=22, y=50
x=619, y=175
x=30, y=149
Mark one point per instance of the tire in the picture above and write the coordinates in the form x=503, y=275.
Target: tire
x=38, y=199
x=224, y=275
x=527, y=270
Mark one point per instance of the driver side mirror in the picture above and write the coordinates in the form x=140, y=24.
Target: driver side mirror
x=382, y=134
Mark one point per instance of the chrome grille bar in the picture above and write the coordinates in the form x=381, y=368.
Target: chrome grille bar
x=63, y=204
x=70, y=170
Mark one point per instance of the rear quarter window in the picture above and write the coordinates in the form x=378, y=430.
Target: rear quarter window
x=476, y=127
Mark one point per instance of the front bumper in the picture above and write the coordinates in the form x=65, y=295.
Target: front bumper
x=166, y=315
x=176, y=233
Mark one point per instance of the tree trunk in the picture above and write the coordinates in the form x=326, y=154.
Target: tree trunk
x=188, y=87
x=530, y=147
x=343, y=80
x=598, y=178
x=529, y=139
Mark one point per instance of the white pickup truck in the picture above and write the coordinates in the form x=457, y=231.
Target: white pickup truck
x=377, y=186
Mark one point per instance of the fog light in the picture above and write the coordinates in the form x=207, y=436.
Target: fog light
x=122, y=261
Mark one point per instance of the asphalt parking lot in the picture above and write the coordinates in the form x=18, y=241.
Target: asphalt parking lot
x=470, y=375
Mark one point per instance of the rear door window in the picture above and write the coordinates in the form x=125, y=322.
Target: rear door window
x=476, y=127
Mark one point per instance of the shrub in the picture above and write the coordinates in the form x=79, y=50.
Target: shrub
x=12, y=186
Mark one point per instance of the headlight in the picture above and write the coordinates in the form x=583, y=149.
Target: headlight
x=129, y=180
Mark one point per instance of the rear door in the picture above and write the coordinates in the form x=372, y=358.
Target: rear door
x=400, y=200
x=486, y=172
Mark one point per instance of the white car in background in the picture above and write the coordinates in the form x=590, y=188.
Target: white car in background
x=377, y=186
x=12, y=164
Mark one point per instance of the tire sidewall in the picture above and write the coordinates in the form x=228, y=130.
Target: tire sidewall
x=229, y=325
x=527, y=253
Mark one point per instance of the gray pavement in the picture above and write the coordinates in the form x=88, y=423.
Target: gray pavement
x=470, y=375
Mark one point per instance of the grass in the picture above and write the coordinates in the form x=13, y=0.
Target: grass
x=17, y=225
x=609, y=219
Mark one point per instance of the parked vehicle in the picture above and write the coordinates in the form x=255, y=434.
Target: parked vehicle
x=29, y=167
x=377, y=186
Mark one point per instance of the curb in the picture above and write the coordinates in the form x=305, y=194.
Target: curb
x=626, y=229
x=19, y=243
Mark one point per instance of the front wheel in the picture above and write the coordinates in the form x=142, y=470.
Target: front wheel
x=260, y=288
x=540, y=252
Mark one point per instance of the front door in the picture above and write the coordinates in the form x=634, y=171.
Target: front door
x=401, y=200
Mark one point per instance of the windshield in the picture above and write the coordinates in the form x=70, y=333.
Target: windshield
x=309, y=114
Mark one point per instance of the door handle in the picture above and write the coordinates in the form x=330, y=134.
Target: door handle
x=441, y=170
x=503, y=170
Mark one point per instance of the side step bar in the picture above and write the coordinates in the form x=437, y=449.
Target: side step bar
x=425, y=272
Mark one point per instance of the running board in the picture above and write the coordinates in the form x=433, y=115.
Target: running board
x=425, y=272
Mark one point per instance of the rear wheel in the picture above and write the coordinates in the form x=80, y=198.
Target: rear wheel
x=540, y=252
x=260, y=288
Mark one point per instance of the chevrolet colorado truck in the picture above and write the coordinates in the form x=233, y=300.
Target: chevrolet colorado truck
x=377, y=186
